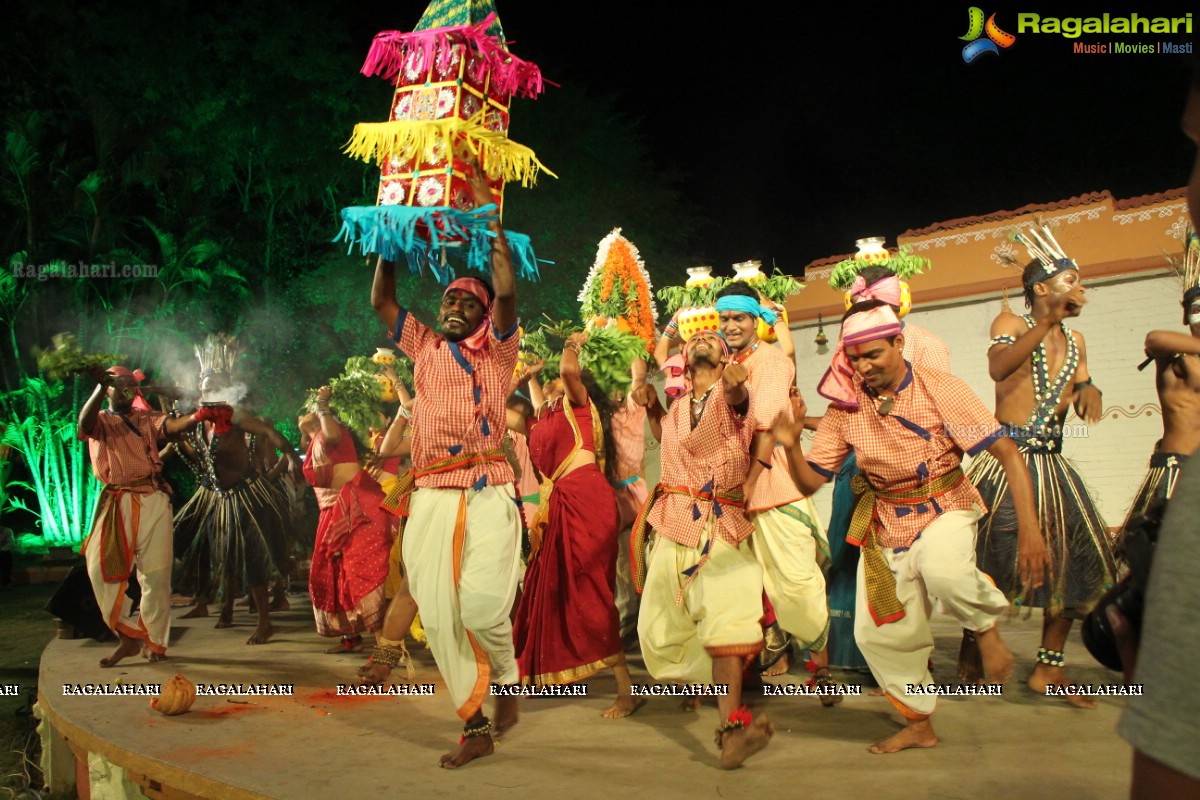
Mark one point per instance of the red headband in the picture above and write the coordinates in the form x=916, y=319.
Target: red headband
x=473, y=287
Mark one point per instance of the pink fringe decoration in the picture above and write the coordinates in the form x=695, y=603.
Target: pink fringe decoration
x=510, y=75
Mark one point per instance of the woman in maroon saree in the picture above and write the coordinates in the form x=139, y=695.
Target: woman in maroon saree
x=566, y=627
x=354, y=535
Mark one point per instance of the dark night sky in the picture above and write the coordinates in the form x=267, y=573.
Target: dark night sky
x=801, y=130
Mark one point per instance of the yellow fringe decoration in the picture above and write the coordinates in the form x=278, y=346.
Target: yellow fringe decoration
x=502, y=158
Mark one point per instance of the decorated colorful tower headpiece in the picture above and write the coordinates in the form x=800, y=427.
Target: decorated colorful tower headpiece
x=454, y=80
x=891, y=290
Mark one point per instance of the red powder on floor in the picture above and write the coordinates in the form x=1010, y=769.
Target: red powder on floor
x=229, y=709
x=331, y=697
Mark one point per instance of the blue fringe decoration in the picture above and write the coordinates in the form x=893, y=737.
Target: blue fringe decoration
x=392, y=232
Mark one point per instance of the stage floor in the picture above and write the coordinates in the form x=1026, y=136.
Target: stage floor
x=316, y=744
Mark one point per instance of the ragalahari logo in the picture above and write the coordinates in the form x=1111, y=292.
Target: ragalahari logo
x=976, y=28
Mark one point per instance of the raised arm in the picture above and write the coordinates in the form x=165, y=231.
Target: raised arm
x=569, y=371
x=394, y=443
x=329, y=424
x=504, y=281
x=91, y=409
x=1005, y=359
x=1168, y=344
x=383, y=293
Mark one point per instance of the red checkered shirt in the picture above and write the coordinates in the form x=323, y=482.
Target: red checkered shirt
x=935, y=417
x=124, y=447
x=772, y=375
x=924, y=350
x=456, y=390
x=717, y=451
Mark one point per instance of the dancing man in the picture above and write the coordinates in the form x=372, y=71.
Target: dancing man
x=462, y=538
x=916, y=514
x=1040, y=370
x=1177, y=361
x=702, y=600
x=787, y=533
x=133, y=519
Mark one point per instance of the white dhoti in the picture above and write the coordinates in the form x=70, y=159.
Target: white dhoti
x=462, y=553
x=939, y=567
x=789, y=542
x=146, y=526
x=717, y=615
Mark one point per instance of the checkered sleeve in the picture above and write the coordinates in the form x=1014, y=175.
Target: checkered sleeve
x=935, y=354
x=770, y=382
x=99, y=430
x=506, y=345
x=830, y=447
x=968, y=421
x=410, y=334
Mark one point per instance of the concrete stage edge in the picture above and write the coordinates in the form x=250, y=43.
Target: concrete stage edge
x=317, y=744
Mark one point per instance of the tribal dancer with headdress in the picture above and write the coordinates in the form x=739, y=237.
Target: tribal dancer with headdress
x=702, y=595
x=238, y=520
x=1177, y=361
x=788, y=538
x=354, y=535
x=922, y=349
x=133, y=519
x=567, y=627
x=916, y=513
x=462, y=539
x=1040, y=369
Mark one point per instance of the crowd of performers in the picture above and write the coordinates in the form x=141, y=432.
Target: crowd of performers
x=517, y=524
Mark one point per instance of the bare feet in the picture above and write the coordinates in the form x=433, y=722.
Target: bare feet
x=624, y=705
x=690, y=704
x=201, y=610
x=279, y=603
x=737, y=746
x=915, y=734
x=970, y=662
x=780, y=667
x=128, y=647
x=507, y=715
x=374, y=673
x=1045, y=676
x=472, y=747
x=261, y=634
x=998, y=661
x=155, y=658
x=226, y=619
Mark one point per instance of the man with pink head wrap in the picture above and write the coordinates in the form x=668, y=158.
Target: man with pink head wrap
x=463, y=535
x=916, y=513
x=133, y=519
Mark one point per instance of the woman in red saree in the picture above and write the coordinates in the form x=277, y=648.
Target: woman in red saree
x=354, y=535
x=566, y=627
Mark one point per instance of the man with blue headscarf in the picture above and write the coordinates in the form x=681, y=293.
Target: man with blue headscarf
x=787, y=532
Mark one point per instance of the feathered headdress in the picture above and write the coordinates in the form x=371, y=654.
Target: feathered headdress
x=1041, y=245
x=1188, y=270
x=218, y=355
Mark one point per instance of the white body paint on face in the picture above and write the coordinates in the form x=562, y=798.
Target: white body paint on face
x=1194, y=318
